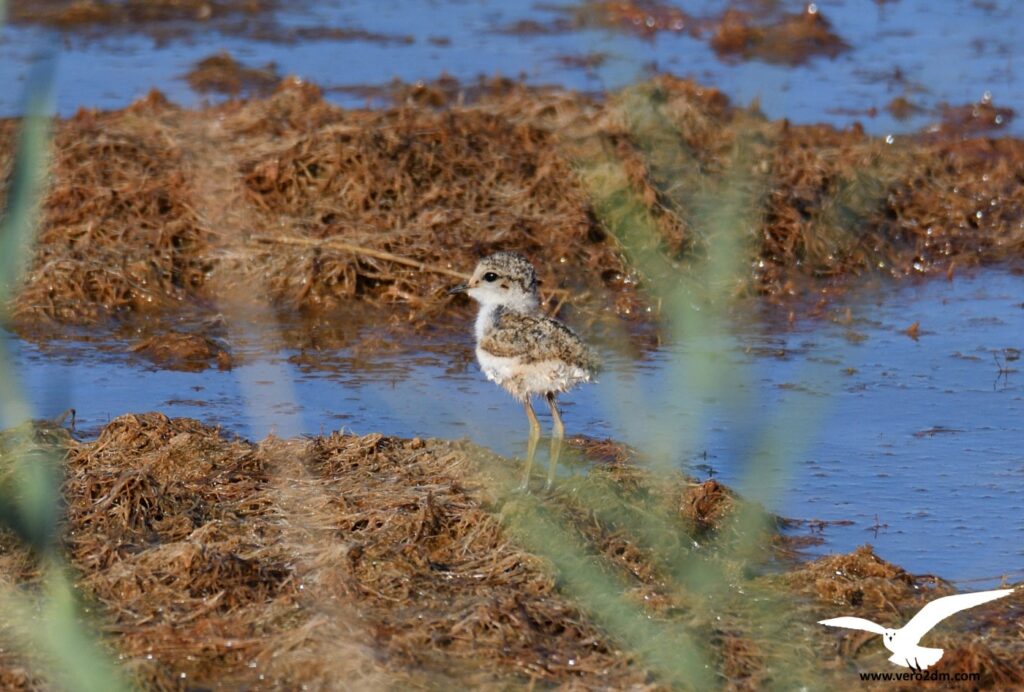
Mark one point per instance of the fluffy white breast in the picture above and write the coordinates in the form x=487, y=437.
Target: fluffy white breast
x=522, y=380
x=497, y=368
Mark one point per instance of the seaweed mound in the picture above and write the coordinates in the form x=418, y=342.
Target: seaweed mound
x=383, y=561
x=304, y=206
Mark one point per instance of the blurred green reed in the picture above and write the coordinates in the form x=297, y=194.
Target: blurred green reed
x=696, y=295
x=47, y=626
x=17, y=225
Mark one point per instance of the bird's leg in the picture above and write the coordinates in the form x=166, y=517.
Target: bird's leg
x=531, y=443
x=557, y=435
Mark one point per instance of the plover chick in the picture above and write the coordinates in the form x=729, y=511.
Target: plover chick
x=521, y=349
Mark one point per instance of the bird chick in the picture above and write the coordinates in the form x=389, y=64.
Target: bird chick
x=520, y=349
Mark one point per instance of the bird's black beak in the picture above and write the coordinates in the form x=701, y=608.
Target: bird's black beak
x=461, y=288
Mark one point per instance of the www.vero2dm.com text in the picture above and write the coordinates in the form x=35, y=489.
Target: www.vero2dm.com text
x=920, y=676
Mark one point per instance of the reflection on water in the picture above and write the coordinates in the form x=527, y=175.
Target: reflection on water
x=917, y=442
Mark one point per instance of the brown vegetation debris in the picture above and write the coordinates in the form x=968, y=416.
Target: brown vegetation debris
x=210, y=554
x=864, y=585
x=644, y=17
x=273, y=32
x=307, y=207
x=587, y=61
x=151, y=206
x=388, y=562
x=744, y=662
x=706, y=504
x=791, y=40
x=531, y=27
x=16, y=675
x=71, y=14
x=598, y=451
x=788, y=38
x=1002, y=671
x=860, y=579
x=902, y=108
x=254, y=20
x=180, y=351
x=118, y=232
x=221, y=73
x=973, y=119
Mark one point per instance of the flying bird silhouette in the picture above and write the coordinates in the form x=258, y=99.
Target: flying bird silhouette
x=903, y=643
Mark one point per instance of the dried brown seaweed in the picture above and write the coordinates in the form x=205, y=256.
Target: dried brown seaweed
x=213, y=560
x=155, y=207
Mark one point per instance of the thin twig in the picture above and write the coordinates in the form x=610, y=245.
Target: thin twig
x=333, y=244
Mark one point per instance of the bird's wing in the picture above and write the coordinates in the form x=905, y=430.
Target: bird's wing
x=515, y=335
x=535, y=338
x=941, y=608
x=852, y=623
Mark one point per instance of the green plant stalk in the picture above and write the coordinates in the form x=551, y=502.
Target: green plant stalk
x=49, y=631
x=35, y=506
x=666, y=647
x=50, y=628
x=722, y=213
x=31, y=166
x=723, y=210
x=13, y=409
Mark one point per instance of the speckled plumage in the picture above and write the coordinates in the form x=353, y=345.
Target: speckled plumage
x=518, y=347
x=532, y=354
x=521, y=349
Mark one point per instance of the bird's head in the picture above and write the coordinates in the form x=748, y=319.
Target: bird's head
x=889, y=635
x=504, y=278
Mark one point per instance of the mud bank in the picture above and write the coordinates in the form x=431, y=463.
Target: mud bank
x=210, y=561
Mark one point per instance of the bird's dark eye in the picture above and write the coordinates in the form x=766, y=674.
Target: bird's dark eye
x=490, y=276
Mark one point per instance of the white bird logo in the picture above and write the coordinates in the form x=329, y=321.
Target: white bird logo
x=903, y=642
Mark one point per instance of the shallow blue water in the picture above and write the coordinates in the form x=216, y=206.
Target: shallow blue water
x=918, y=443
x=930, y=52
